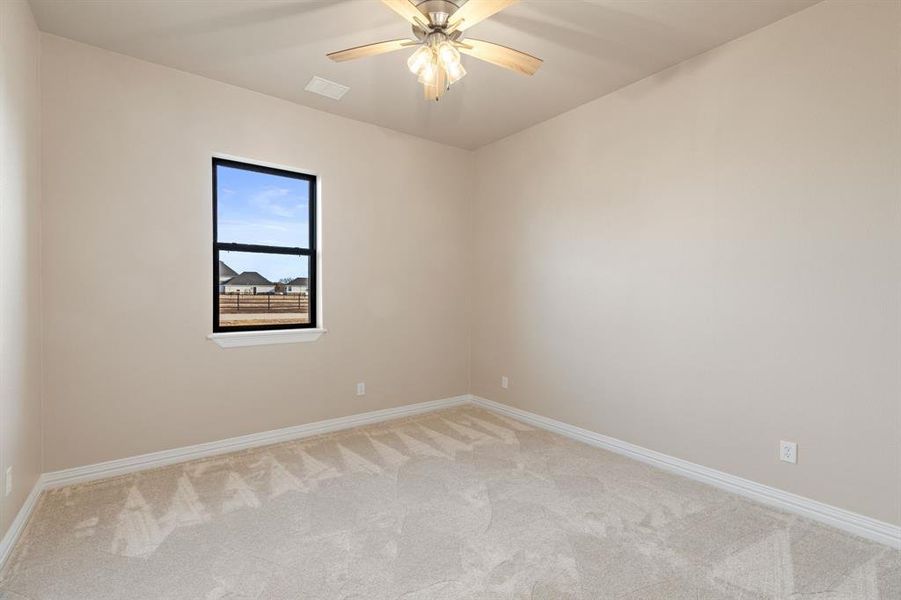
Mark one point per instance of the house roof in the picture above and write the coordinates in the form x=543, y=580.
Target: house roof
x=225, y=270
x=248, y=278
x=298, y=281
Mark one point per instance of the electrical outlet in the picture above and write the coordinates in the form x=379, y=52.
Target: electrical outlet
x=361, y=389
x=505, y=383
x=8, y=486
x=788, y=452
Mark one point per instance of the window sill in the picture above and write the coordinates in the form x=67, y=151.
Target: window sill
x=262, y=338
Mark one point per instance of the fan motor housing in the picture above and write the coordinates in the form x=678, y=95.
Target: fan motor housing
x=437, y=11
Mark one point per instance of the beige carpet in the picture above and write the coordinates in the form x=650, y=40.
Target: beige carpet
x=455, y=504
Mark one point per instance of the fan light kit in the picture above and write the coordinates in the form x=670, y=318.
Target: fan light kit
x=439, y=26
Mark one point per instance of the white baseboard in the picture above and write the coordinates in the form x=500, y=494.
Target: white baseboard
x=18, y=525
x=857, y=524
x=176, y=455
x=153, y=460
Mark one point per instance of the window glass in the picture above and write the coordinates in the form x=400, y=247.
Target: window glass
x=269, y=289
x=261, y=208
x=264, y=254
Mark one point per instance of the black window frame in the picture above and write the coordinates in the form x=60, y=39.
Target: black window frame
x=310, y=252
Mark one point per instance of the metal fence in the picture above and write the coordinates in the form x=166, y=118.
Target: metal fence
x=264, y=303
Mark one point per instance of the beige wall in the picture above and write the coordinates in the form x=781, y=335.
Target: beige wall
x=20, y=291
x=127, y=254
x=707, y=261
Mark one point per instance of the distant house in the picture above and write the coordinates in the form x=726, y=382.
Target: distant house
x=248, y=282
x=298, y=285
x=225, y=272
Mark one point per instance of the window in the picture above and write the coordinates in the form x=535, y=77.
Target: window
x=264, y=245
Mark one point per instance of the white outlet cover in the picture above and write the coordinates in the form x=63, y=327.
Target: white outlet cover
x=361, y=389
x=8, y=486
x=505, y=383
x=788, y=452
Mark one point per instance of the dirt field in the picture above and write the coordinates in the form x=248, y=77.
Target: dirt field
x=230, y=320
x=263, y=309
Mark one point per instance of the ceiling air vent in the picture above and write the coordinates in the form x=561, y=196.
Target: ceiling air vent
x=326, y=88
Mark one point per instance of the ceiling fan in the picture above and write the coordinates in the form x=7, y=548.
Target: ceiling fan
x=439, y=27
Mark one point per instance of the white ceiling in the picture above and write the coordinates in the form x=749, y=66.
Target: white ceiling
x=590, y=48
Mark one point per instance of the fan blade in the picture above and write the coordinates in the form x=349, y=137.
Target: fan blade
x=475, y=11
x=369, y=50
x=500, y=55
x=407, y=11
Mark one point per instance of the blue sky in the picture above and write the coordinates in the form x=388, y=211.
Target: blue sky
x=259, y=208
